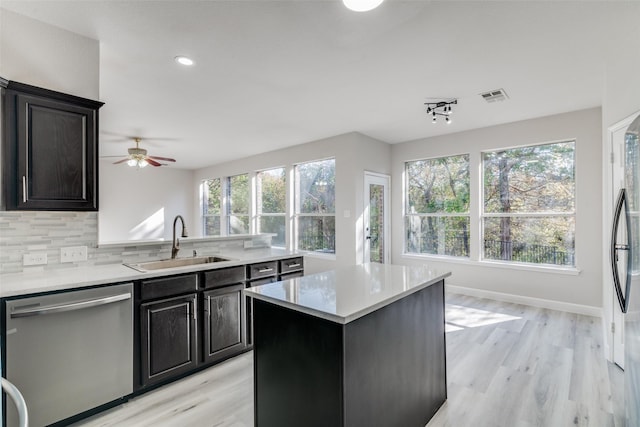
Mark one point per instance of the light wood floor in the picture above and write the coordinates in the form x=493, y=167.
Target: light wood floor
x=507, y=365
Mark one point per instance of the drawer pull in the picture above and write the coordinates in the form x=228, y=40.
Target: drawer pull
x=293, y=265
x=265, y=270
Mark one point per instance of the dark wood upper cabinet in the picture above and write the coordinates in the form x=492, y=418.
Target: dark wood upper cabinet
x=50, y=150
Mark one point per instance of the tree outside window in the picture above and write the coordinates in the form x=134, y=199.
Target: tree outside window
x=315, y=206
x=437, y=206
x=271, y=204
x=239, y=191
x=529, y=204
x=211, y=206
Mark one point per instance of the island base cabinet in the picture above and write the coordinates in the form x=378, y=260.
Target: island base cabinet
x=223, y=322
x=168, y=338
x=384, y=369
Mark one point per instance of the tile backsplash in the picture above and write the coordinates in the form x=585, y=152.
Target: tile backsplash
x=23, y=232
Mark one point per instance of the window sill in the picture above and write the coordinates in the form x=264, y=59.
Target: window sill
x=571, y=271
x=319, y=255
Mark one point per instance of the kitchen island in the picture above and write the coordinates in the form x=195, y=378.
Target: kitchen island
x=360, y=346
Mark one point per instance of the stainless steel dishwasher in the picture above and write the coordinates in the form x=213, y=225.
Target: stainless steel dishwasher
x=70, y=352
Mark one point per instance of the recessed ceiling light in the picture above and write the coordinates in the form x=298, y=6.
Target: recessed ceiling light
x=362, y=5
x=183, y=60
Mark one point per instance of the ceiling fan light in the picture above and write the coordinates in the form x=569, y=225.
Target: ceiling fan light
x=132, y=162
x=361, y=5
x=142, y=163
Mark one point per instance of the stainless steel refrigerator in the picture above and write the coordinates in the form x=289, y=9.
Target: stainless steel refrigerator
x=625, y=263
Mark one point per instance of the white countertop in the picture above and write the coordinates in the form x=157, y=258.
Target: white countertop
x=17, y=284
x=346, y=294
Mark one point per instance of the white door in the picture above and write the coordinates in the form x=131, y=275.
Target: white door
x=616, y=136
x=376, y=218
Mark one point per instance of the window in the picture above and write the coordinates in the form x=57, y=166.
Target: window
x=315, y=195
x=271, y=204
x=437, y=206
x=238, y=195
x=211, y=206
x=529, y=204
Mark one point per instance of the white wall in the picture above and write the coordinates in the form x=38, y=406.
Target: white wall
x=583, y=126
x=354, y=153
x=42, y=55
x=139, y=204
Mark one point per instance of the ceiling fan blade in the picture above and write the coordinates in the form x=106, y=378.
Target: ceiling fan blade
x=121, y=161
x=152, y=162
x=166, y=159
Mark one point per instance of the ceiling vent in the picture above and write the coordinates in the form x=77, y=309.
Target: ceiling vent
x=495, y=95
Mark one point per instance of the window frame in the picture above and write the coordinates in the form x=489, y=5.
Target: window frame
x=549, y=214
x=258, y=204
x=205, y=207
x=296, y=215
x=406, y=214
x=227, y=205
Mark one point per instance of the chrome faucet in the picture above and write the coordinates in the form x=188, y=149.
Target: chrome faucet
x=176, y=242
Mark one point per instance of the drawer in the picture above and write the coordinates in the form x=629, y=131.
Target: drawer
x=168, y=286
x=264, y=281
x=291, y=275
x=262, y=269
x=291, y=264
x=223, y=277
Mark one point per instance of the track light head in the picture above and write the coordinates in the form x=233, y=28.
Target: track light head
x=441, y=108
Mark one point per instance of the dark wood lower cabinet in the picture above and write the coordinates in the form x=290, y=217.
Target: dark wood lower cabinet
x=190, y=321
x=168, y=338
x=223, y=322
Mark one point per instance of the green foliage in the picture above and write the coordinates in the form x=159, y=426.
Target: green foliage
x=539, y=178
x=272, y=191
x=438, y=185
x=239, y=194
x=213, y=193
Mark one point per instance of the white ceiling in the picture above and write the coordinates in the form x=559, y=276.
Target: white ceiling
x=271, y=74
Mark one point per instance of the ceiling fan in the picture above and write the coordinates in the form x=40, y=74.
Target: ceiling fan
x=138, y=157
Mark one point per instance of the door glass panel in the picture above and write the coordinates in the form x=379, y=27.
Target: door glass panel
x=376, y=223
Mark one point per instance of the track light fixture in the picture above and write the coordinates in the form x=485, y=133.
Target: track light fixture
x=441, y=108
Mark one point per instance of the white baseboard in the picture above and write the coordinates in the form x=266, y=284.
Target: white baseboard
x=520, y=299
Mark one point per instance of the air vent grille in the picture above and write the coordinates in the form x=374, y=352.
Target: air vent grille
x=495, y=95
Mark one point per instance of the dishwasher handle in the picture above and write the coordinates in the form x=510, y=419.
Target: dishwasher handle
x=79, y=305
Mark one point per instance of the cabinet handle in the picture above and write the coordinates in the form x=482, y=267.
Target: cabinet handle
x=293, y=265
x=265, y=270
x=24, y=189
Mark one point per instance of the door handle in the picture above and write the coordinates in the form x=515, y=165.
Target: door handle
x=623, y=299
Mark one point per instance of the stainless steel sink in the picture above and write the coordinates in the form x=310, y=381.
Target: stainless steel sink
x=176, y=262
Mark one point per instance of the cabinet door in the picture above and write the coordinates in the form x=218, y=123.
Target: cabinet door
x=168, y=338
x=223, y=322
x=51, y=158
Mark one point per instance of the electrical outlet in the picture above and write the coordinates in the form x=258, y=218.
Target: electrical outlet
x=36, y=258
x=73, y=254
